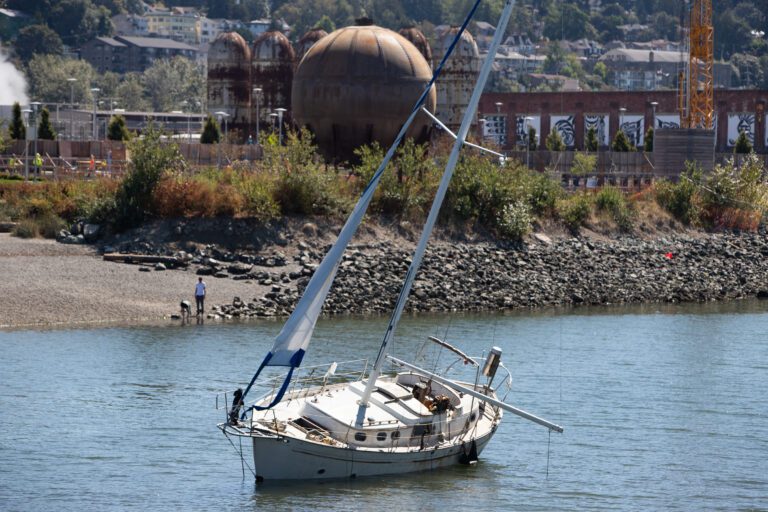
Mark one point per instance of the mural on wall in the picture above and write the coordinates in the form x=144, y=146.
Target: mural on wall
x=495, y=129
x=632, y=126
x=738, y=123
x=667, y=121
x=521, y=132
x=566, y=128
x=600, y=123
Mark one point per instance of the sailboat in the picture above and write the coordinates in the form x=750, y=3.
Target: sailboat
x=344, y=422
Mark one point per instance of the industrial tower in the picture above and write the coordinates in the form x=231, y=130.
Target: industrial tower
x=697, y=105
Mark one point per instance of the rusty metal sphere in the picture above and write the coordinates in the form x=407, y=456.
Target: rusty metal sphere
x=419, y=40
x=358, y=85
x=307, y=40
x=229, y=79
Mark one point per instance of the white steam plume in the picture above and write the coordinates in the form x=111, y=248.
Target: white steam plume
x=13, y=86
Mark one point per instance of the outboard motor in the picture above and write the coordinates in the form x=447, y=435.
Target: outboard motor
x=237, y=405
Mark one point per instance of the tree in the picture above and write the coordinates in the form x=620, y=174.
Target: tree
x=743, y=146
x=569, y=23
x=47, y=77
x=117, y=129
x=555, y=142
x=78, y=21
x=211, y=132
x=37, y=39
x=592, y=142
x=621, y=143
x=532, y=138
x=648, y=141
x=46, y=131
x=169, y=82
x=17, y=130
x=601, y=70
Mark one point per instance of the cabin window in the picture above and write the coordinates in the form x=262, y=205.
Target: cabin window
x=381, y=436
x=360, y=436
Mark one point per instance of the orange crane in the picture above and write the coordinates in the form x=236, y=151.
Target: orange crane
x=697, y=86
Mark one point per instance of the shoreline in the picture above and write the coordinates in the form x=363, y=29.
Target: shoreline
x=52, y=285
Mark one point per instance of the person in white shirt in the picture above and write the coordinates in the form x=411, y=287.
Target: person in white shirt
x=200, y=295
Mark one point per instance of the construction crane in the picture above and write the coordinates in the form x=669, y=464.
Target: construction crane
x=696, y=85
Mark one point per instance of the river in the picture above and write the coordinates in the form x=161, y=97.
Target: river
x=664, y=408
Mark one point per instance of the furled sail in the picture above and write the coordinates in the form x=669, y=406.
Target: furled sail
x=291, y=343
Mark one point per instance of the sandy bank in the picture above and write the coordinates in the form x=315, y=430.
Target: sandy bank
x=45, y=283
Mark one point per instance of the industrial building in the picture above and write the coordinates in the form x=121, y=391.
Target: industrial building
x=573, y=113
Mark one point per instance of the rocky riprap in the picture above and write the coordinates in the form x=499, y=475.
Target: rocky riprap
x=483, y=276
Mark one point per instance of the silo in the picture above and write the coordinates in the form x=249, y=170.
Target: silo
x=358, y=85
x=229, y=78
x=417, y=39
x=272, y=71
x=458, y=76
x=307, y=40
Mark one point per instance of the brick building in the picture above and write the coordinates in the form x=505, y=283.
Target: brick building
x=572, y=113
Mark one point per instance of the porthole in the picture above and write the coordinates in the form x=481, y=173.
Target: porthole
x=320, y=471
x=360, y=436
x=381, y=436
x=395, y=435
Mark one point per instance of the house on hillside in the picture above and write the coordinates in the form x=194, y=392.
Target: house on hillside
x=125, y=54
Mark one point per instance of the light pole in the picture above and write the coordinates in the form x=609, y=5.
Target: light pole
x=35, y=107
x=280, y=111
x=654, y=104
x=26, y=111
x=95, y=91
x=71, y=106
x=257, y=92
x=273, y=119
x=621, y=118
x=528, y=141
x=221, y=115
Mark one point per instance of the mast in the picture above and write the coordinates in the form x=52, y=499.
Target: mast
x=436, y=204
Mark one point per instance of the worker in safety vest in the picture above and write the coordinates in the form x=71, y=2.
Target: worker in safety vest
x=38, y=161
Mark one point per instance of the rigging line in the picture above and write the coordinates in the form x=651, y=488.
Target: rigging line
x=242, y=459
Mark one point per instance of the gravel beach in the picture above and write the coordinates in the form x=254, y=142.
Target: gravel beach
x=46, y=283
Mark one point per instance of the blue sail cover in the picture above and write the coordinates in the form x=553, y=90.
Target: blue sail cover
x=291, y=343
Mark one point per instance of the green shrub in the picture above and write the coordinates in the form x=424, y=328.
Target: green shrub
x=574, y=211
x=680, y=199
x=515, y=220
x=150, y=159
x=742, y=146
x=554, y=141
x=49, y=226
x=583, y=164
x=612, y=200
x=27, y=228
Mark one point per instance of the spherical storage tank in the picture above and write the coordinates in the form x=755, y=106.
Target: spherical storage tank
x=272, y=71
x=358, y=85
x=229, y=79
x=307, y=40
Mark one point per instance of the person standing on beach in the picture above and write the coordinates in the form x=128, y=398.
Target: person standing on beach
x=200, y=295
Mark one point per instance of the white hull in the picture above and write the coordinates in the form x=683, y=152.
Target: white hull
x=315, y=432
x=281, y=458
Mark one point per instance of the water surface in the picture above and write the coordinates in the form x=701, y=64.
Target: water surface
x=665, y=408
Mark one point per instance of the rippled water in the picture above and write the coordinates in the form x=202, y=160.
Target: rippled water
x=664, y=409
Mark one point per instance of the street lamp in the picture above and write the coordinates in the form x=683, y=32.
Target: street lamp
x=257, y=92
x=95, y=91
x=498, y=107
x=621, y=118
x=223, y=115
x=26, y=111
x=35, y=108
x=654, y=104
x=280, y=111
x=273, y=120
x=528, y=141
x=71, y=81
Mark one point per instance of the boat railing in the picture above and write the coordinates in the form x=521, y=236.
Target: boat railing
x=303, y=380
